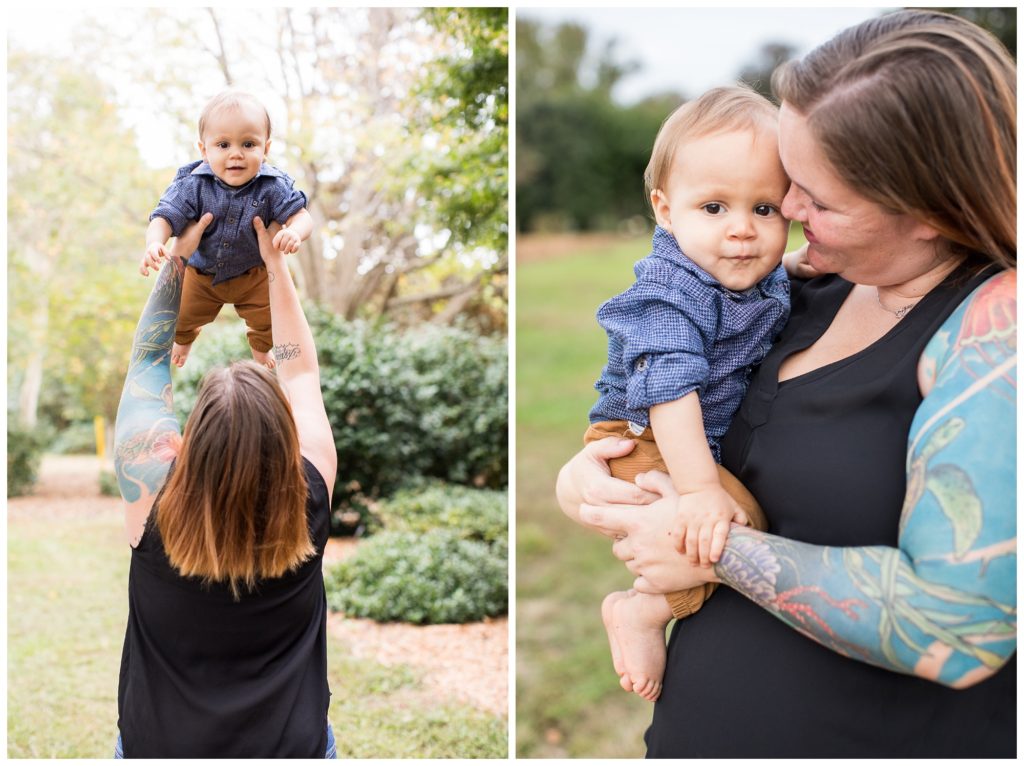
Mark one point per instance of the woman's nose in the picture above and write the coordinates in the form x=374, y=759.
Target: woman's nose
x=791, y=207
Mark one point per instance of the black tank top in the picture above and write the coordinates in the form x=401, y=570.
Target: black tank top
x=824, y=453
x=205, y=676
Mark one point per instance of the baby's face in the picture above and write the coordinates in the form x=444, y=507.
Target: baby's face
x=235, y=143
x=722, y=203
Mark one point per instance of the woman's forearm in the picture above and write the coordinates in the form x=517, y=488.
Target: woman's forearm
x=294, y=349
x=870, y=604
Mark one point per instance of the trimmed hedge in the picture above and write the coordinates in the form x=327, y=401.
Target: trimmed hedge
x=435, y=577
x=474, y=514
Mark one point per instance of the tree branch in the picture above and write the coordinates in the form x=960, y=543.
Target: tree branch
x=220, y=54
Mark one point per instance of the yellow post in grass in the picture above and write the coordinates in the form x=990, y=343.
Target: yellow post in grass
x=101, y=436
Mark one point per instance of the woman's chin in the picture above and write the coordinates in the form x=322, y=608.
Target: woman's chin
x=819, y=262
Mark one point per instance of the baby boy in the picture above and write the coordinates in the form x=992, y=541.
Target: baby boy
x=705, y=308
x=232, y=182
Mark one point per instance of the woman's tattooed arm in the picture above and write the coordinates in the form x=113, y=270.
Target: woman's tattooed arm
x=942, y=605
x=147, y=434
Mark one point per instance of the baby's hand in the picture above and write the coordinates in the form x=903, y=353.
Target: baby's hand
x=287, y=241
x=797, y=266
x=702, y=523
x=153, y=258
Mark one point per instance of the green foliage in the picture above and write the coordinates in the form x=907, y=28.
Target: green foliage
x=77, y=438
x=580, y=157
x=474, y=514
x=79, y=199
x=434, y=577
x=24, y=453
x=466, y=187
x=108, y=484
x=431, y=401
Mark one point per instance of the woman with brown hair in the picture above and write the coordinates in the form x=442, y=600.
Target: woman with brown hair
x=878, y=435
x=225, y=650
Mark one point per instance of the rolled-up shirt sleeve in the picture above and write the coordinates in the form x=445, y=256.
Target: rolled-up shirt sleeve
x=664, y=339
x=178, y=205
x=285, y=200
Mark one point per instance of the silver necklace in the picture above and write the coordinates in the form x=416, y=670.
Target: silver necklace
x=900, y=312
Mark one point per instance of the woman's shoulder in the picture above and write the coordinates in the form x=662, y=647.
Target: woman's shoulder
x=982, y=327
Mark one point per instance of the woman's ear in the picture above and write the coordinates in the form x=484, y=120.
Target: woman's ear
x=924, y=232
x=662, y=211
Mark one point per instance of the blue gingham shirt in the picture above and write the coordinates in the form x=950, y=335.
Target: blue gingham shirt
x=677, y=330
x=229, y=246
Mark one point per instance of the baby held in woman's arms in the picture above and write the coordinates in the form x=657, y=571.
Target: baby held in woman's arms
x=706, y=306
x=234, y=184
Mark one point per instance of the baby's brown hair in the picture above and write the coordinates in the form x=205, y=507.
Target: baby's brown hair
x=719, y=110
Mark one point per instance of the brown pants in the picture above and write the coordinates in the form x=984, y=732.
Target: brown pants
x=647, y=457
x=201, y=301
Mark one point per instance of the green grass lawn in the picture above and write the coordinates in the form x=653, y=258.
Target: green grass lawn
x=568, y=699
x=67, y=605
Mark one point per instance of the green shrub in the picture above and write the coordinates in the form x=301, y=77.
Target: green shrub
x=475, y=514
x=108, y=484
x=24, y=453
x=435, y=577
x=75, y=439
x=432, y=401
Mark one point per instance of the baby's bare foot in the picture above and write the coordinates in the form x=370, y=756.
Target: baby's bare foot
x=607, y=615
x=266, y=358
x=179, y=353
x=639, y=623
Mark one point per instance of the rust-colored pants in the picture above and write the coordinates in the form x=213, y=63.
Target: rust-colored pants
x=647, y=457
x=201, y=301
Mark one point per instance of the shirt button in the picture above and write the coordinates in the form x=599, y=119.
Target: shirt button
x=641, y=364
x=231, y=220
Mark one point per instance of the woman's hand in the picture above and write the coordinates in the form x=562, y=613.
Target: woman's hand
x=647, y=538
x=265, y=238
x=187, y=242
x=587, y=479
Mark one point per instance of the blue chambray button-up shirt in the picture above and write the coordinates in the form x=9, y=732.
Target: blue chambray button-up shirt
x=677, y=330
x=229, y=246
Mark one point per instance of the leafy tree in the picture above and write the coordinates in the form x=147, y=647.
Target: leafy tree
x=348, y=82
x=580, y=157
x=75, y=205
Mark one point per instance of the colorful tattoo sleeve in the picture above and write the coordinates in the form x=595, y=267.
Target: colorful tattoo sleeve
x=942, y=605
x=147, y=434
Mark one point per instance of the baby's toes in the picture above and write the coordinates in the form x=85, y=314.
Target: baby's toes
x=626, y=682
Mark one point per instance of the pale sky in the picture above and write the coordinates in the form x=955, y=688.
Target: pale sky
x=689, y=50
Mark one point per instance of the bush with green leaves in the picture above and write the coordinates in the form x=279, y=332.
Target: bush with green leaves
x=108, y=484
x=427, y=401
x=24, y=453
x=78, y=438
x=475, y=514
x=434, y=577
